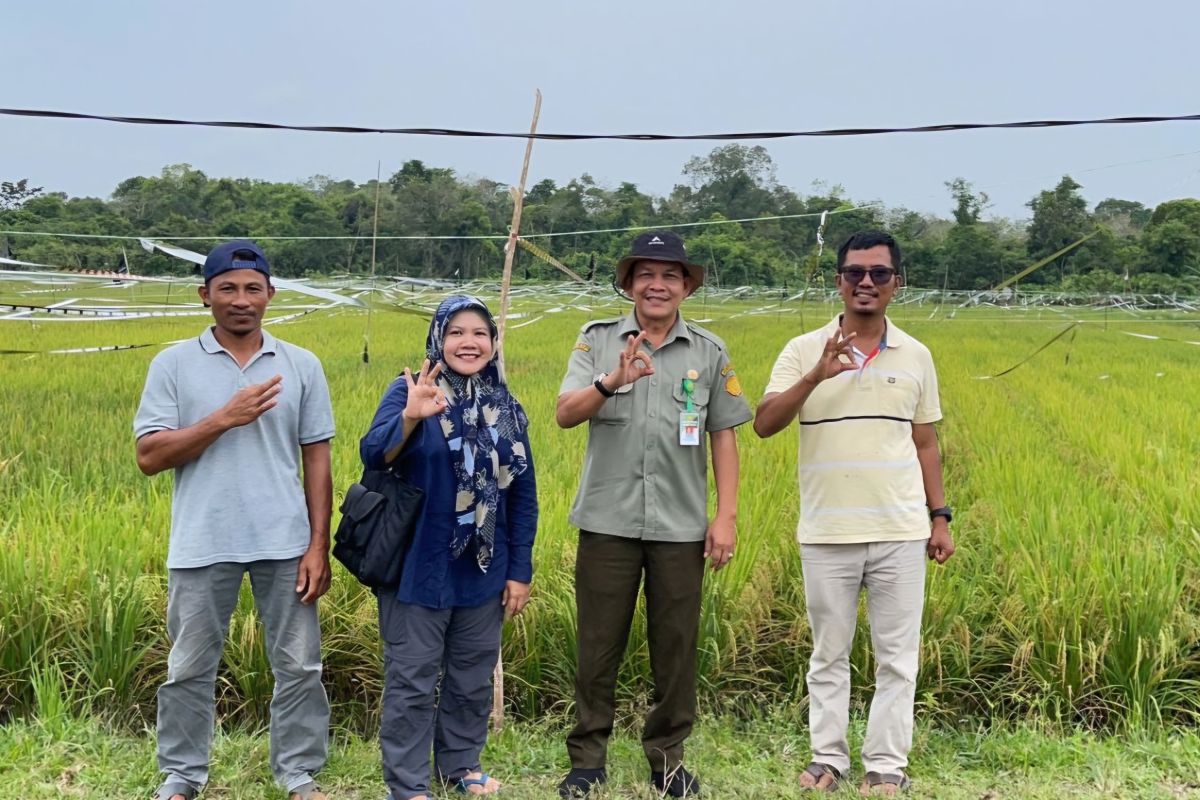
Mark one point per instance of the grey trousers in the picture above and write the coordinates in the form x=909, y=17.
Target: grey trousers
x=893, y=574
x=437, y=690
x=199, y=604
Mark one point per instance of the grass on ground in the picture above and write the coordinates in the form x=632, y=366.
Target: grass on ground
x=74, y=759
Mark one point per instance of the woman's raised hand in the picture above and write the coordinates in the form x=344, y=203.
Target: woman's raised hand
x=425, y=397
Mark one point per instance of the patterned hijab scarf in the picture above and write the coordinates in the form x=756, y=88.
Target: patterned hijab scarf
x=482, y=424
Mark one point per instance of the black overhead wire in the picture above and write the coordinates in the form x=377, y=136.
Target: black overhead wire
x=938, y=128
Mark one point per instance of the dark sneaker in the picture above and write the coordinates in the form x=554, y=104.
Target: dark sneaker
x=176, y=787
x=676, y=783
x=581, y=781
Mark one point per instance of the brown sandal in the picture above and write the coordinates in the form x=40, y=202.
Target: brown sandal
x=874, y=780
x=818, y=770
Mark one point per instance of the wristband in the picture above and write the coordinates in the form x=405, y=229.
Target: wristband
x=944, y=511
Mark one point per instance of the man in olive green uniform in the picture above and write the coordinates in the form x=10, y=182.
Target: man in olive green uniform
x=658, y=394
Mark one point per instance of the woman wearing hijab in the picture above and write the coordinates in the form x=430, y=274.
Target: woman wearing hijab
x=456, y=432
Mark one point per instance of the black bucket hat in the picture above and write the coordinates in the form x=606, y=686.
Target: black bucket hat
x=658, y=246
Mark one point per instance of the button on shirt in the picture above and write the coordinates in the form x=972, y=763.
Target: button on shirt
x=638, y=480
x=242, y=499
x=860, y=480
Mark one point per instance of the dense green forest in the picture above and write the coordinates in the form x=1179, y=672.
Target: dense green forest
x=1136, y=249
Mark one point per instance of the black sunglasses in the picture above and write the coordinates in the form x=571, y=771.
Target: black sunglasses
x=879, y=275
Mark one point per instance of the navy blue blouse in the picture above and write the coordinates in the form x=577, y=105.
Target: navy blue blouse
x=431, y=578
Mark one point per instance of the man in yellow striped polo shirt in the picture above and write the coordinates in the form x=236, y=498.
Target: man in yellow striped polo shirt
x=872, y=507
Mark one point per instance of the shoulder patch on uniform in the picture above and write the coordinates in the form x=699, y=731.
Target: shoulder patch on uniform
x=587, y=326
x=704, y=333
x=733, y=386
x=582, y=347
x=728, y=368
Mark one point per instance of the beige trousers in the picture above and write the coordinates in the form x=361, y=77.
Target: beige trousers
x=893, y=574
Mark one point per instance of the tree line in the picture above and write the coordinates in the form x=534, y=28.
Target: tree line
x=1134, y=249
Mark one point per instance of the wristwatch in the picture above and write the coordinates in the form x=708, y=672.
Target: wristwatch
x=944, y=511
x=601, y=388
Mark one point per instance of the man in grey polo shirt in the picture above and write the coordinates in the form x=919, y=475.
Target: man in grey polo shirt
x=237, y=414
x=654, y=391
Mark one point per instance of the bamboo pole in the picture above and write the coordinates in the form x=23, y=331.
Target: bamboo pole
x=366, y=351
x=510, y=250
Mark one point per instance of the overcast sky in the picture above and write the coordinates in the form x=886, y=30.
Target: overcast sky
x=614, y=66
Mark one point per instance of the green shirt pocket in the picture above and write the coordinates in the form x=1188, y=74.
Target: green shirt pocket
x=618, y=409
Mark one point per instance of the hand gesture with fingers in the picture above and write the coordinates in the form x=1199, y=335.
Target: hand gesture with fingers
x=425, y=397
x=831, y=364
x=251, y=402
x=633, y=363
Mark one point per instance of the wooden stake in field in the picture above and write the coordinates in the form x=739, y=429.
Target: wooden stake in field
x=510, y=251
x=510, y=248
x=366, y=353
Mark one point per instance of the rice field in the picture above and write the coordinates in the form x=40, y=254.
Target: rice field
x=1074, y=597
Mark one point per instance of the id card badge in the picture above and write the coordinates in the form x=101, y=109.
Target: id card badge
x=689, y=428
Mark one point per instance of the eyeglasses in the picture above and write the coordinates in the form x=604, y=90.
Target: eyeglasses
x=879, y=275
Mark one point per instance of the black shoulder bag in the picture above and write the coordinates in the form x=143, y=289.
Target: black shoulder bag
x=379, y=516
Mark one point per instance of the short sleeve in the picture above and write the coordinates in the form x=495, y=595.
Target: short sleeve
x=159, y=407
x=788, y=369
x=929, y=405
x=316, y=410
x=727, y=406
x=580, y=366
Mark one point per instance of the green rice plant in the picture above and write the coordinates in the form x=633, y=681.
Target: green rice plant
x=1074, y=598
x=110, y=646
x=54, y=698
x=246, y=680
x=27, y=631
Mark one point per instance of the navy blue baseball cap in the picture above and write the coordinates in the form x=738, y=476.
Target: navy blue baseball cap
x=238, y=254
